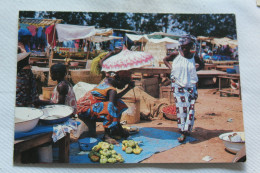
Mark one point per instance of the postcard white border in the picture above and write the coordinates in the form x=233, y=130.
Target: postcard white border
x=247, y=17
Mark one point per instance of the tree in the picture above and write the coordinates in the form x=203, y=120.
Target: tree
x=26, y=14
x=217, y=25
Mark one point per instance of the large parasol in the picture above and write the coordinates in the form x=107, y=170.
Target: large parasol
x=127, y=60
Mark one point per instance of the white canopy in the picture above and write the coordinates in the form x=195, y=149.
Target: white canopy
x=98, y=39
x=68, y=32
x=104, y=32
x=162, y=33
x=220, y=41
x=166, y=40
x=139, y=38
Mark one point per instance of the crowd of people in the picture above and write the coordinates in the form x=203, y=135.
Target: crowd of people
x=219, y=53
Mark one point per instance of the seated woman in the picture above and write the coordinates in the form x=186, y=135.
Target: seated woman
x=103, y=103
x=26, y=89
x=63, y=93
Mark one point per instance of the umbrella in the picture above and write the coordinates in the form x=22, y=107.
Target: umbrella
x=127, y=60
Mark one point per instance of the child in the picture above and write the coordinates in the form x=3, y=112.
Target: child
x=63, y=93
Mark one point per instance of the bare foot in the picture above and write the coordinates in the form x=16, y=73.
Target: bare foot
x=109, y=140
x=182, y=138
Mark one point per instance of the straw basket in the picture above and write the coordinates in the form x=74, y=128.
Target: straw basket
x=132, y=114
x=169, y=115
x=47, y=92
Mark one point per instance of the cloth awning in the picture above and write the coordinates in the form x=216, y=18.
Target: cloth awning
x=98, y=39
x=220, y=41
x=68, y=32
x=39, y=22
x=162, y=33
x=137, y=38
x=104, y=32
x=166, y=40
x=203, y=38
x=233, y=43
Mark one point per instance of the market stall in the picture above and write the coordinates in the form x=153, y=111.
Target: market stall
x=159, y=48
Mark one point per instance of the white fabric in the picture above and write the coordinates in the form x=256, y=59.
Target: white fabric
x=60, y=130
x=171, y=45
x=104, y=32
x=184, y=71
x=139, y=38
x=166, y=40
x=72, y=32
x=98, y=39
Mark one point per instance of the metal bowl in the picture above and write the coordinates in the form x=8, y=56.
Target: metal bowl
x=55, y=114
x=232, y=147
x=86, y=144
x=26, y=118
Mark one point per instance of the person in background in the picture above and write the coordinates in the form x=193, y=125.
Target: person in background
x=26, y=88
x=63, y=92
x=184, y=79
x=24, y=37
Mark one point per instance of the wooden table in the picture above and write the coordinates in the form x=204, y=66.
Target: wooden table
x=223, y=67
x=26, y=143
x=230, y=76
x=165, y=70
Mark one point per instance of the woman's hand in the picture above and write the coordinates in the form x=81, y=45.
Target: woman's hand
x=131, y=84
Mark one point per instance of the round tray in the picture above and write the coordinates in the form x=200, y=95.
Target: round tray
x=55, y=114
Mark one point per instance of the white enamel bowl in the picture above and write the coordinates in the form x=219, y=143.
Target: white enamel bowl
x=26, y=118
x=232, y=147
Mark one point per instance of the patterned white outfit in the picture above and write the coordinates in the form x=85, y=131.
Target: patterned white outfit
x=184, y=79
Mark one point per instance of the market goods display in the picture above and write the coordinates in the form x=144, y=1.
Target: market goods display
x=170, y=109
x=170, y=112
x=131, y=146
x=105, y=153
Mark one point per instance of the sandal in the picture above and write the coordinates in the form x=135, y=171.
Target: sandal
x=182, y=138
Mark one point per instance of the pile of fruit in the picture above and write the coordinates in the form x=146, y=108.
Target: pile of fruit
x=130, y=146
x=171, y=109
x=105, y=153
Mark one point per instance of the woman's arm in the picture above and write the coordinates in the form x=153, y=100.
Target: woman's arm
x=128, y=88
x=170, y=58
x=200, y=62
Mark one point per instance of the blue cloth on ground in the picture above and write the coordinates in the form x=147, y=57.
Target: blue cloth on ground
x=153, y=141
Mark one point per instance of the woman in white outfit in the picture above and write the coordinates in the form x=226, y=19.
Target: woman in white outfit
x=184, y=79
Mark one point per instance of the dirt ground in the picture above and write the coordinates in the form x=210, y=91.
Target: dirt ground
x=212, y=113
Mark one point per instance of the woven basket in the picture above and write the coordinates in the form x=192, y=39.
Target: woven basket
x=170, y=116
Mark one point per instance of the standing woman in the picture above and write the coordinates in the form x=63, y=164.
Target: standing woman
x=184, y=79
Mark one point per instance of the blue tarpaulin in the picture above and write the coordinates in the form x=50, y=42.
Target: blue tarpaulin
x=153, y=141
x=39, y=129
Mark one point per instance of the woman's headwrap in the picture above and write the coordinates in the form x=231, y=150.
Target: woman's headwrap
x=184, y=40
x=23, y=32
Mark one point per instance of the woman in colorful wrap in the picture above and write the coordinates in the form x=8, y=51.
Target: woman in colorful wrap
x=184, y=79
x=103, y=103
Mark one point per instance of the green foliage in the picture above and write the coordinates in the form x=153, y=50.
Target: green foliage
x=217, y=25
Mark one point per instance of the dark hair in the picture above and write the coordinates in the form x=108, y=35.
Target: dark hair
x=21, y=64
x=59, y=68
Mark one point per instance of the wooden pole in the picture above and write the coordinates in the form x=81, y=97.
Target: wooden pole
x=200, y=47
